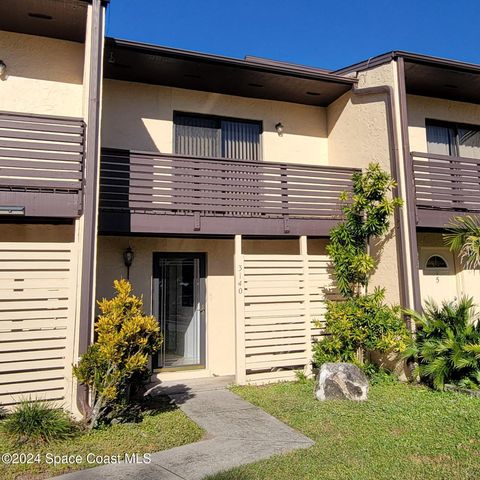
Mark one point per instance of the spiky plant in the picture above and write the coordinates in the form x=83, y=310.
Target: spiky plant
x=463, y=237
x=38, y=422
x=447, y=344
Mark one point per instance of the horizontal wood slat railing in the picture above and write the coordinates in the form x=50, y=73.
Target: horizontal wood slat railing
x=204, y=187
x=41, y=158
x=446, y=182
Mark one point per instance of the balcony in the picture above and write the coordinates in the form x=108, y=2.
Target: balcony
x=445, y=187
x=167, y=194
x=41, y=165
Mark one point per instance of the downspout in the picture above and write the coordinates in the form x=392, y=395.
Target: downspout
x=409, y=187
x=387, y=92
x=90, y=209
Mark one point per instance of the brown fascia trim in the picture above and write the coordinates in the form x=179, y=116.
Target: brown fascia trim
x=268, y=61
x=90, y=190
x=264, y=66
x=387, y=92
x=411, y=57
x=409, y=187
x=104, y=3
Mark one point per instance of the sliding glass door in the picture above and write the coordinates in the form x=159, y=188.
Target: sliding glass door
x=179, y=305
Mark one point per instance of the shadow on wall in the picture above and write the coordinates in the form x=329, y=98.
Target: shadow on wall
x=139, y=116
x=377, y=246
x=132, y=115
x=42, y=58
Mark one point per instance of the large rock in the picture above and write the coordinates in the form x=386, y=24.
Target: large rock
x=341, y=381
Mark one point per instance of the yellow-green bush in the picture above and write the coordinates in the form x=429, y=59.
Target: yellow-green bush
x=118, y=361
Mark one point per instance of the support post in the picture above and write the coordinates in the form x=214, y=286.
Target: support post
x=306, y=299
x=240, y=360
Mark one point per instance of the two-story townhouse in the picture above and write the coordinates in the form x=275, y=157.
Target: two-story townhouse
x=215, y=182
x=215, y=174
x=51, y=58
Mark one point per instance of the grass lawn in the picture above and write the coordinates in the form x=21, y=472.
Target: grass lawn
x=158, y=431
x=402, y=432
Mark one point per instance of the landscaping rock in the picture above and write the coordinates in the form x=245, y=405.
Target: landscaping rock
x=341, y=381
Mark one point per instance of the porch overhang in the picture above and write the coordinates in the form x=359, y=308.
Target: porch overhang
x=254, y=78
x=65, y=20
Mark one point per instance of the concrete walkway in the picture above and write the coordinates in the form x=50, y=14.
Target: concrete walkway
x=237, y=433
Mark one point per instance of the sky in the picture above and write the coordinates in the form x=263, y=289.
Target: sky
x=326, y=34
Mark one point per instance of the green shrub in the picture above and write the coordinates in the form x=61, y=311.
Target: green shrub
x=3, y=412
x=447, y=344
x=38, y=422
x=379, y=375
x=118, y=362
x=363, y=323
x=367, y=213
x=463, y=237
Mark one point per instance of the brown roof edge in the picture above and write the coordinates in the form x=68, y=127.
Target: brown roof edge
x=412, y=57
x=268, y=61
x=266, y=66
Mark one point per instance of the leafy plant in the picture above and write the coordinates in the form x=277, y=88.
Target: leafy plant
x=463, y=237
x=447, y=344
x=38, y=422
x=118, y=361
x=379, y=375
x=367, y=213
x=363, y=323
x=300, y=376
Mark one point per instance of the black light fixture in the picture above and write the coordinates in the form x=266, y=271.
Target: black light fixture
x=279, y=128
x=3, y=69
x=128, y=259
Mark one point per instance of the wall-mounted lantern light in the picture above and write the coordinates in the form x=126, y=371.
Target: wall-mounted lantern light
x=128, y=259
x=3, y=70
x=279, y=128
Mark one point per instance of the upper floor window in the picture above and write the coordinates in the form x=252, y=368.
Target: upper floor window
x=210, y=136
x=453, y=139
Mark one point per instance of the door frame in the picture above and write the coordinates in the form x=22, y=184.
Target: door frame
x=202, y=257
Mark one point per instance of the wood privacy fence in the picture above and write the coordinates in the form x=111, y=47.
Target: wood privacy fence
x=279, y=298
x=36, y=320
x=41, y=164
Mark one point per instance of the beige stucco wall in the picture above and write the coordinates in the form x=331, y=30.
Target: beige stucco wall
x=455, y=281
x=220, y=335
x=357, y=136
x=138, y=116
x=44, y=75
x=18, y=232
x=421, y=108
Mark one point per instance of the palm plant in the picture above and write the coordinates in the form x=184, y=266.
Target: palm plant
x=447, y=344
x=463, y=237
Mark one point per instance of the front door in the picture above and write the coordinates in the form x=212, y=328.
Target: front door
x=438, y=281
x=179, y=305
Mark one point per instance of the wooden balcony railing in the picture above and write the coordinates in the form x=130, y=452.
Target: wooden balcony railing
x=445, y=186
x=160, y=193
x=41, y=165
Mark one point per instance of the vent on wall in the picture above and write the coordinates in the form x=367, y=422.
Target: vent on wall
x=41, y=16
